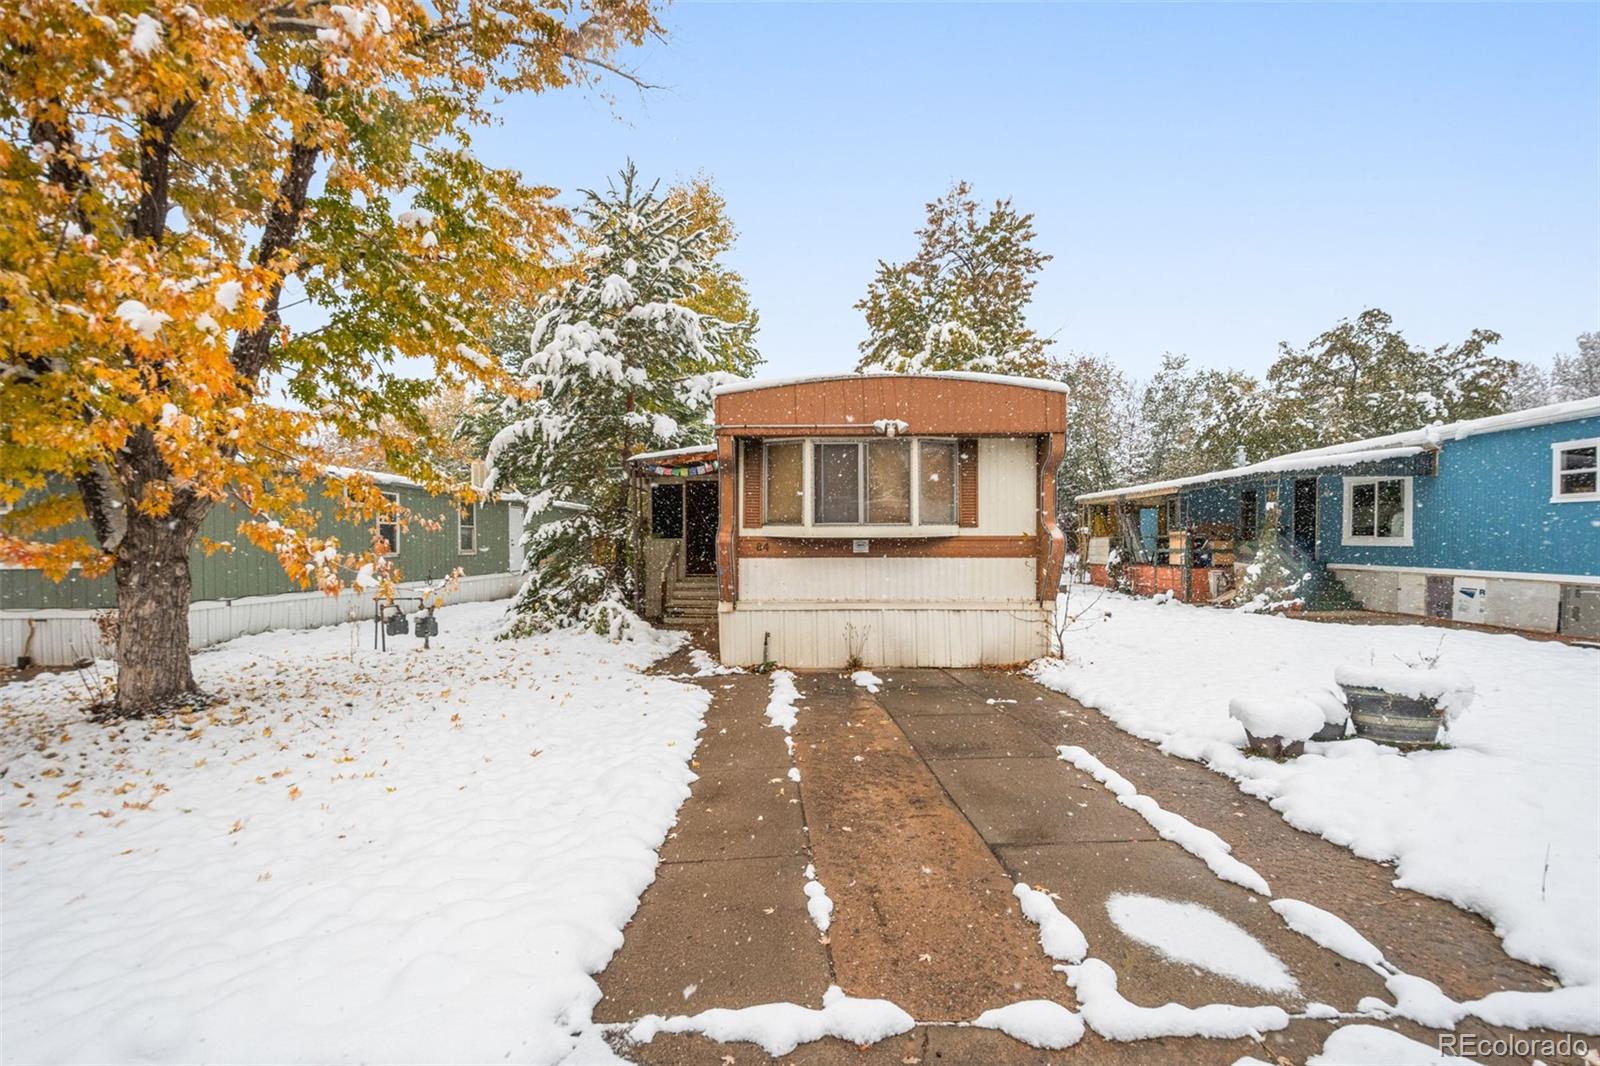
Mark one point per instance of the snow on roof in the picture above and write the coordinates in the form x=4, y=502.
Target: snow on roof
x=383, y=477
x=953, y=375
x=1282, y=464
x=380, y=477
x=1371, y=450
x=672, y=453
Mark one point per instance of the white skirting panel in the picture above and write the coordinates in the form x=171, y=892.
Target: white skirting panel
x=1510, y=602
x=869, y=578
x=808, y=637
x=61, y=638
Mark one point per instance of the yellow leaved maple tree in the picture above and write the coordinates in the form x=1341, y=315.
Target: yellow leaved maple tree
x=174, y=175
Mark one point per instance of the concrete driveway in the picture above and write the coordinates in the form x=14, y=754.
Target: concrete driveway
x=919, y=808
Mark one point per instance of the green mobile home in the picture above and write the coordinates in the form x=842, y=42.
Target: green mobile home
x=244, y=590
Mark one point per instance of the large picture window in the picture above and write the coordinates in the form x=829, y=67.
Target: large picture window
x=785, y=484
x=936, y=502
x=889, y=486
x=1575, y=471
x=1377, y=510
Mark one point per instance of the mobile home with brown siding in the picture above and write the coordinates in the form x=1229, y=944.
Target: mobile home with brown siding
x=908, y=520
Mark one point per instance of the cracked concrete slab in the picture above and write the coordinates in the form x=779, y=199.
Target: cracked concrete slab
x=1036, y=801
x=924, y=915
x=975, y=736
x=919, y=806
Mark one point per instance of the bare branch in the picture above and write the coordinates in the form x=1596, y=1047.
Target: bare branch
x=251, y=349
x=621, y=72
x=149, y=221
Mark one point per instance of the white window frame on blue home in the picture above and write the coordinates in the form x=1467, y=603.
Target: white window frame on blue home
x=1349, y=538
x=1556, y=451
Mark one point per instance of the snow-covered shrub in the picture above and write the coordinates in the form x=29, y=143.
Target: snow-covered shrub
x=1117, y=572
x=1273, y=579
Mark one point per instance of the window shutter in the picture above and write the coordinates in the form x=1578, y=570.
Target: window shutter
x=753, y=470
x=967, y=469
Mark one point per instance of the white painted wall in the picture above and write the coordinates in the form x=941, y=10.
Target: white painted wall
x=61, y=637
x=1008, y=487
x=875, y=579
x=891, y=636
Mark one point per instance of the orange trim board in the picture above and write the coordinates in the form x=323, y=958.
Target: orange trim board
x=1022, y=547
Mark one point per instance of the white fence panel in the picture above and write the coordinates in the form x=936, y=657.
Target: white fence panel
x=61, y=638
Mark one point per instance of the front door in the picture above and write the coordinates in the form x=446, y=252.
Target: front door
x=700, y=527
x=1305, y=515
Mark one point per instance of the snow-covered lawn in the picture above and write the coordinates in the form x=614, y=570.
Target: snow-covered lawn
x=1517, y=788
x=411, y=856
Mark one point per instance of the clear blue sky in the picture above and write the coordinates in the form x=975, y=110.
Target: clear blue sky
x=1209, y=179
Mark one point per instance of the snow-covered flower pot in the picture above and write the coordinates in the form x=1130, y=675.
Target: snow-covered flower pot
x=1403, y=705
x=1277, y=726
x=1335, y=715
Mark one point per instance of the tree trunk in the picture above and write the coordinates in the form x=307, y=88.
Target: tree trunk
x=152, y=571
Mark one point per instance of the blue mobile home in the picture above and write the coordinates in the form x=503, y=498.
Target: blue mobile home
x=1494, y=520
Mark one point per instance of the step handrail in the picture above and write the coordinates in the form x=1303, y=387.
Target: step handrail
x=667, y=574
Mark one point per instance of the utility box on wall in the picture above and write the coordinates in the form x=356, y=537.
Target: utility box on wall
x=1471, y=602
x=1580, y=610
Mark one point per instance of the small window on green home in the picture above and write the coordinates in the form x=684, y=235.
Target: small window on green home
x=388, y=525
x=467, y=529
x=666, y=512
x=1575, y=471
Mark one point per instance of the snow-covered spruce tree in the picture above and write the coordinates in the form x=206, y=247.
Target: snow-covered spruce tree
x=616, y=363
x=1274, y=576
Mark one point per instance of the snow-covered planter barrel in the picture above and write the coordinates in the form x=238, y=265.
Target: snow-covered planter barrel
x=1403, y=705
x=1335, y=715
x=1277, y=726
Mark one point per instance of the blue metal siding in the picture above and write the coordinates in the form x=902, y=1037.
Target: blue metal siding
x=1488, y=509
